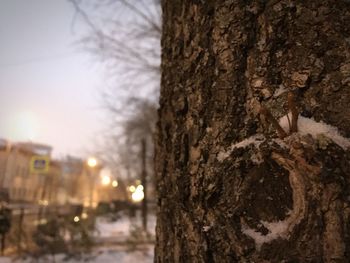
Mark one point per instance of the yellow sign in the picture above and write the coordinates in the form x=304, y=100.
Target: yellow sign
x=40, y=164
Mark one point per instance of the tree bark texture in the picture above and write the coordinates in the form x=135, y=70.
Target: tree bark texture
x=230, y=190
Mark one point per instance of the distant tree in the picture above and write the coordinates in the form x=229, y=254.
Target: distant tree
x=140, y=124
x=125, y=36
x=237, y=183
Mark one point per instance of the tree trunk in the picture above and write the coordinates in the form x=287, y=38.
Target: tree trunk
x=236, y=181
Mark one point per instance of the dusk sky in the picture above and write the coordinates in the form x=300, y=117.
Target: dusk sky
x=49, y=87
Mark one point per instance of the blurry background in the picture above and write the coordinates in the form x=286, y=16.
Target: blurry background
x=79, y=84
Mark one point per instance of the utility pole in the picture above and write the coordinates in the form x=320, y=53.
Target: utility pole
x=91, y=189
x=91, y=164
x=144, y=183
x=43, y=196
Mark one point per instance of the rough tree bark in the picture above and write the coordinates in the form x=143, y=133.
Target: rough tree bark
x=231, y=187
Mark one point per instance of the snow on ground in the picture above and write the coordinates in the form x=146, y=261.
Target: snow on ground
x=104, y=255
x=107, y=228
x=119, y=230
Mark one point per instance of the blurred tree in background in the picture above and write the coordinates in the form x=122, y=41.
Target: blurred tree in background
x=125, y=37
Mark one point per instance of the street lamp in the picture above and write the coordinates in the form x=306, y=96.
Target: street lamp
x=91, y=163
x=115, y=183
x=106, y=180
x=138, y=195
x=132, y=188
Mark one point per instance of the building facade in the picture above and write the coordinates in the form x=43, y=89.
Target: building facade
x=68, y=181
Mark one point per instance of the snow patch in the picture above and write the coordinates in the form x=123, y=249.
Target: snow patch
x=106, y=254
x=256, y=139
x=118, y=229
x=277, y=230
x=206, y=228
x=278, y=92
x=282, y=229
x=310, y=126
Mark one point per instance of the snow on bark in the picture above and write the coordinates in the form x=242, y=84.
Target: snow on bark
x=283, y=228
x=281, y=90
x=256, y=139
x=310, y=126
x=277, y=230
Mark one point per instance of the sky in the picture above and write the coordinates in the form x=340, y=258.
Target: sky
x=49, y=87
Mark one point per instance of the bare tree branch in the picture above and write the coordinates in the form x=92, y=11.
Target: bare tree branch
x=128, y=44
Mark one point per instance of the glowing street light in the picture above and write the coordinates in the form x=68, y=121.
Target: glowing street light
x=92, y=162
x=138, y=194
x=115, y=183
x=106, y=180
x=132, y=188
